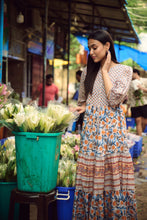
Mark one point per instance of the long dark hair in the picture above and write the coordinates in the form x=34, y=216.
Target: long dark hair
x=93, y=68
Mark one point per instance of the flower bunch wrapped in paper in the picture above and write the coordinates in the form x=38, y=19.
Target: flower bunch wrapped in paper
x=68, y=157
x=55, y=118
x=66, y=173
x=4, y=93
x=137, y=92
x=8, y=160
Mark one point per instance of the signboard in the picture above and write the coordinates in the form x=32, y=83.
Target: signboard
x=35, y=45
x=6, y=33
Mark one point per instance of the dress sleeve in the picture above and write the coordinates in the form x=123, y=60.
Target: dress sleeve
x=82, y=97
x=120, y=86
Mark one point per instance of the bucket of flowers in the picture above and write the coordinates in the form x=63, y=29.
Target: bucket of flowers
x=38, y=134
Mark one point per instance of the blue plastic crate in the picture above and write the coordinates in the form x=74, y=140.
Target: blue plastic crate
x=145, y=130
x=2, y=141
x=130, y=122
x=137, y=148
x=131, y=151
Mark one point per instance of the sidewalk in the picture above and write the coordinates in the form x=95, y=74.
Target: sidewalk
x=140, y=168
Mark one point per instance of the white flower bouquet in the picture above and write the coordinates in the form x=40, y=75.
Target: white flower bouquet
x=4, y=93
x=55, y=118
x=68, y=157
x=137, y=92
x=8, y=160
x=66, y=173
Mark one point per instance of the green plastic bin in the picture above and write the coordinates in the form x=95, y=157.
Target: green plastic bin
x=37, y=159
x=5, y=193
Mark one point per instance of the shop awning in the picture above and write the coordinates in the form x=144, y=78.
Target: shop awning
x=87, y=15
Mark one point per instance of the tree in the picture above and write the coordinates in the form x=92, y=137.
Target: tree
x=138, y=14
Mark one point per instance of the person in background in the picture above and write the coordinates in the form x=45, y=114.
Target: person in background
x=78, y=78
x=79, y=121
x=137, y=101
x=105, y=187
x=51, y=91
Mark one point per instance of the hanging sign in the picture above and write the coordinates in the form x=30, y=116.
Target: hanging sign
x=1, y=35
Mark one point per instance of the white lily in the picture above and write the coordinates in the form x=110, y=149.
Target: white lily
x=19, y=118
x=32, y=120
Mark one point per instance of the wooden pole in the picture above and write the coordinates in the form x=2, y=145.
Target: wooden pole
x=69, y=25
x=44, y=50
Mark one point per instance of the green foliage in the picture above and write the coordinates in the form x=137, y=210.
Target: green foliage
x=131, y=63
x=74, y=49
x=138, y=14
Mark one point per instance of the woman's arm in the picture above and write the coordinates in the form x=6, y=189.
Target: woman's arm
x=105, y=68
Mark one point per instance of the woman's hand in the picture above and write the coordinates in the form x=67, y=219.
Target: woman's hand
x=142, y=88
x=80, y=109
x=105, y=67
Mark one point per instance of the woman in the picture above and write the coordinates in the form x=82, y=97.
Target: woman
x=105, y=178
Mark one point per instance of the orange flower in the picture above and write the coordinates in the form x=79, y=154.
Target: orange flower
x=86, y=142
x=100, y=208
x=111, y=136
x=121, y=202
x=92, y=211
x=92, y=154
x=105, y=146
x=124, y=193
x=119, y=124
x=103, y=122
x=117, y=193
x=90, y=145
x=96, y=137
x=99, y=138
x=114, y=120
x=114, y=130
x=117, y=211
x=114, y=203
x=90, y=123
x=103, y=132
x=113, y=147
x=111, y=114
x=91, y=136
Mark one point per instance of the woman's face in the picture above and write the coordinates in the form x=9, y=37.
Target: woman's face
x=97, y=50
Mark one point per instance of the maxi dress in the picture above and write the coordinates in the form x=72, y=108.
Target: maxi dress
x=105, y=175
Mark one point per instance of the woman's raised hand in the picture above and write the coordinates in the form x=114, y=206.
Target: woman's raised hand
x=107, y=63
